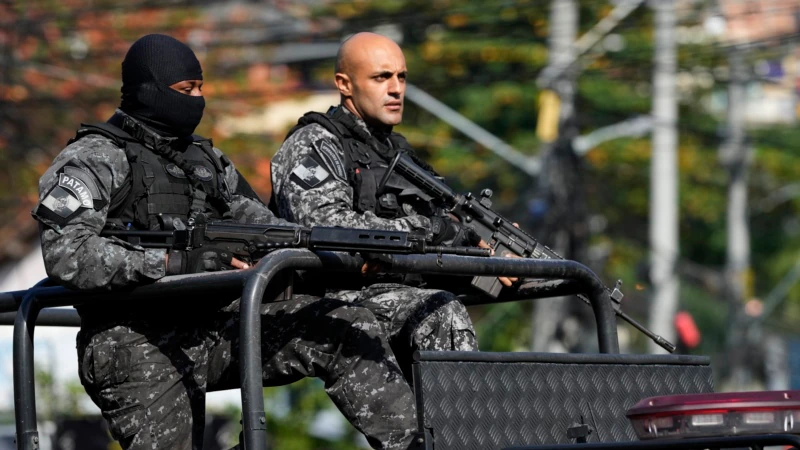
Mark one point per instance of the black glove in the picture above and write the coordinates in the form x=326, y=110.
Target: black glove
x=441, y=228
x=204, y=259
x=465, y=237
x=447, y=231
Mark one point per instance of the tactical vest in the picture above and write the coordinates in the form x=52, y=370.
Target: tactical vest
x=159, y=192
x=368, y=165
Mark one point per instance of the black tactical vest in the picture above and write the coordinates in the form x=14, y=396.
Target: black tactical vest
x=369, y=170
x=159, y=192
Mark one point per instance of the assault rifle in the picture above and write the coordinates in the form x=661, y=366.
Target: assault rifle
x=250, y=242
x=500, y=233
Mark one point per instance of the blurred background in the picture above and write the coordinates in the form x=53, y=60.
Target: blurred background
x=656, y=142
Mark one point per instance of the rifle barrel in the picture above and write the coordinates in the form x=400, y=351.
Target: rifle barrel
x=462, y=251
x=660, y=341
x=136, y=233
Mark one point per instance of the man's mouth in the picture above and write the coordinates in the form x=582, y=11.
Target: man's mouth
x=394, y=106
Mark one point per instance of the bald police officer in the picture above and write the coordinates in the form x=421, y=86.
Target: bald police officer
x=329, y=172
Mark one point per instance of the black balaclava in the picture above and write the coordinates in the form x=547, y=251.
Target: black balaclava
x=151, y=66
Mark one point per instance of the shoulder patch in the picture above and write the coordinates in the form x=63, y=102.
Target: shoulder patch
x=331, y=157
x=76, y=189
x=81, y=184
x=309, y=173
x=61, y=202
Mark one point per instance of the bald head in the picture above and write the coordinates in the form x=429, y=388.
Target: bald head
x=356, y=48
x=370, y=75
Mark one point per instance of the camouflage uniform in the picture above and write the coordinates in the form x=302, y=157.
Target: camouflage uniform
x=148, y=374
x=414, y=318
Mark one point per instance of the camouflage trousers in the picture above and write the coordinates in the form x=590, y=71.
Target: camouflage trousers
x=150, y=379
x=415, y=319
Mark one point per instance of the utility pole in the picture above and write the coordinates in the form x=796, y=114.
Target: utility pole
x=734, y=156
x=664, y=177
x=553, y=71
x=559, y=183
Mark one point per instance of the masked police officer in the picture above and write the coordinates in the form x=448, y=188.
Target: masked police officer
x=330, y=171
x=148, y=366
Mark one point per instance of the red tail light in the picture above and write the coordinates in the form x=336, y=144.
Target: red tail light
x=724, y=414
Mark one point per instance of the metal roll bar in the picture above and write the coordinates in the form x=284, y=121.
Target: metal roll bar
x=29, y=303
x=61, y=317
x=578, y=279
x=253, y=418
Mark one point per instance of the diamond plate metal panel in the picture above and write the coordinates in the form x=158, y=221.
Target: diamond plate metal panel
x=491, y=405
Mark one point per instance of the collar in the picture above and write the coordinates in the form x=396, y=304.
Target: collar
x=142, y=133
x=380, y=134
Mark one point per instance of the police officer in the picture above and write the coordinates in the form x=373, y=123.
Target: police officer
x=148, y=366
x=330, y=171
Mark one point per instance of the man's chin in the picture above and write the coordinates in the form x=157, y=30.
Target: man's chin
x=391, y=120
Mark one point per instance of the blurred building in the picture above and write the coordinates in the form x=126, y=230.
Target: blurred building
x=758, y=25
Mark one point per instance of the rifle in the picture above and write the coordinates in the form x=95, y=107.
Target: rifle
x=250, y=242
x=500, y=233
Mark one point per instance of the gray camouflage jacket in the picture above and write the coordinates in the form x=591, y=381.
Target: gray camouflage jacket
x=74, y=253
x=326, y=198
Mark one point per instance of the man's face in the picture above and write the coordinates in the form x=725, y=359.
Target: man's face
x=378, y=84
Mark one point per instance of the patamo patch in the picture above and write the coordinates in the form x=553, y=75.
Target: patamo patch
x=75, y=190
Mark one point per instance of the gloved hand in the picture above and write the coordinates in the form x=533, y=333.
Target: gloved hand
x=447, y=231
x=204, y=259
x=465, y=236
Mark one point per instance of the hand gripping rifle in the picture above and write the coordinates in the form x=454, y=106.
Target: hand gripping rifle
x=501, y=234
x=250, y=242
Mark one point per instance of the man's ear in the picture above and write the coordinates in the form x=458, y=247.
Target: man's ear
x=344, y=84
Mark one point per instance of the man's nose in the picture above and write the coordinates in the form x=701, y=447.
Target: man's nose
x=395, y=86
